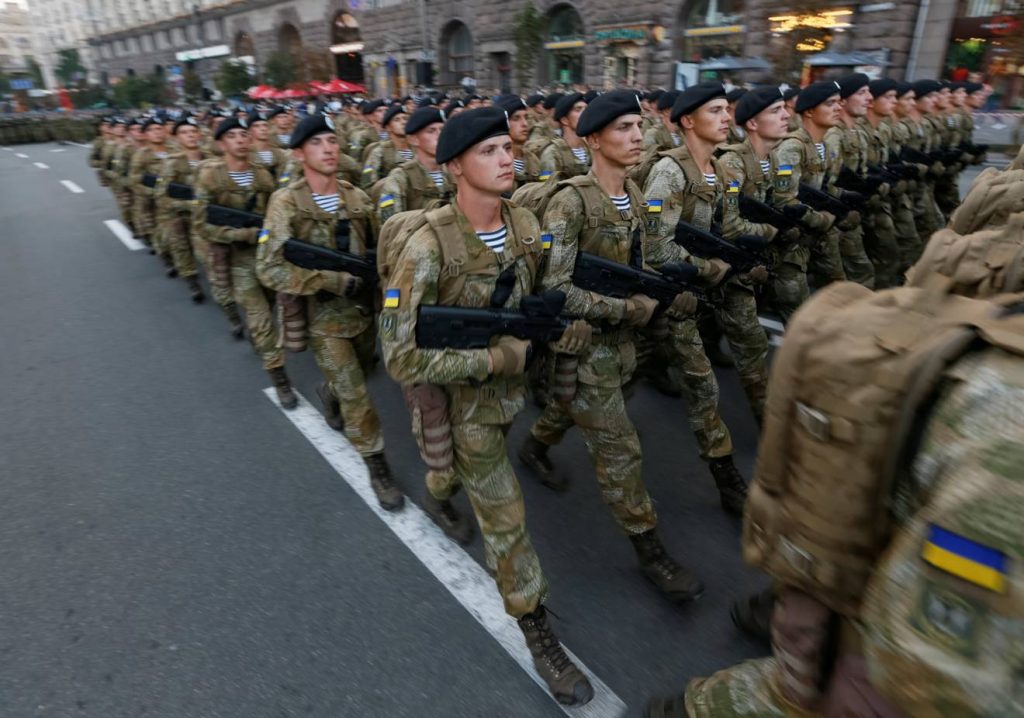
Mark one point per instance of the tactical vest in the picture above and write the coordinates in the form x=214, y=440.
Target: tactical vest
x=814, y=170
x=756, y=183
x=846, y=388
x=420, y=188
x=227, y=193
x=316, y=226
x=602, y=221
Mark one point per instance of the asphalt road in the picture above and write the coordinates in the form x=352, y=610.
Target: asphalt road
x=172, y=545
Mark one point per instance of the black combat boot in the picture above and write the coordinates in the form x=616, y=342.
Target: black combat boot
x=283, y=387
x=674, y=707
x=753, y=614
x=195, y=290
x=671, y=579
x=389, y=496
x=566, y=682
x=447, y=517
x=170, y=269
x=231, y=311
x=731, y=487
x=332, y=407
x=534, y=454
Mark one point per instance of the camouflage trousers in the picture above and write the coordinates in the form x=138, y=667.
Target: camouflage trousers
x=856, y=265
x=926, y=213
x=144, y=214
x=826, y=263
x=882, y=246
x=343, y=362
x=251, y=297
x=483, y=469
x=222, y=295
x=176, y=229
x=788, y=288
x=907, y=238
x=800, y=680
x=947, y=191
x=126, y=204
x=736, y=312
x=614, y=448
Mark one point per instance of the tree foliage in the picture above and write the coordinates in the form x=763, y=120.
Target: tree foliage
x=528, y=33
x=139, y=91
x=69, y=69
x=280, y=69
x=36, y=72
x=233, y=79
x=192, y=85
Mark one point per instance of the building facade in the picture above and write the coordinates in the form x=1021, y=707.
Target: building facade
x=15, y=39
x=61, y=25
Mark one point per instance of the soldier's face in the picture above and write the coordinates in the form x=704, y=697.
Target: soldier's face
x=959, y=96
x=856, y=105
x=119, y=131
x=976, y=100
x=156, y=134
x=236, y=142
x=487, y=166
x=906, y=103
x=283, y=123
x=926, y=104
x=573, y=116
x=473, y=104
x=426, y=139
x=883, y=105
x=188, y=137
x=397, y=125
x=709, y=122
x=827, y=113
x=378, y=115
x=771, y=123
x=621, y=142
x=320, y=153
x=942, y=99
x=518, y=127
x=136, y=133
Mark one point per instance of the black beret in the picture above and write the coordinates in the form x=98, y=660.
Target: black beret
x=973, y=87
x=534, y=99
x=692, y=98
x=926, y=87
x=152, y=121
x=902, y=88
x=654, y=95
x=423, y=117
x=190, y=121
x=667, y=99
x=735, y=94
x=789, y=93
x=309, y=127
x=230, y=123
x=852, y=83
x=120, y=121
x=756, y=101
x=467, y=129
x=511, y=104
x=565, y=104
x=882, y=86
x=391, y=114
x=426, y=102
x=258, y=116
x=454, y=104
x=816, y=93
x=590, y=96
x=607, y=108
x=552, y=100
x=279, y=110
x=371, y=106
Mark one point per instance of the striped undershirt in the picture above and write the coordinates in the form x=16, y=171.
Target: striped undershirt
x=285, y=140
x=766, y=166
x=266, y=156
x=242, y=179
x=581, y=154
x=383, y=135
x=405, y=155
x=820, y=146
x=496, y=239
x=327, y=202
x=676, y=139
x=709, y=178
x=438, y=177
x=520, y=166
x=193, y=163
x=621, y=203
x=160, y=155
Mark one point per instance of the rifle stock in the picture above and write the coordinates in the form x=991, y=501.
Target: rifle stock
x=537, y=319
x=312, y=256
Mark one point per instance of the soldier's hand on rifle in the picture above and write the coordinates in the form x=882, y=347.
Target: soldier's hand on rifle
x=795, y=211
x=758, y=275
x=638, y=310
x=343, y=284
x=850, y=221
x=790, y=236
x=714, y=272
x=508, y=357
x=575, y=338
x=684, y=305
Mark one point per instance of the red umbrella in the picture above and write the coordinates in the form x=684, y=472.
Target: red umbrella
x=340, y=87
x=261, y=92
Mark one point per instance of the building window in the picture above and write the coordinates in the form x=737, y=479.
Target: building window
x=457, y=48
x=563, y=48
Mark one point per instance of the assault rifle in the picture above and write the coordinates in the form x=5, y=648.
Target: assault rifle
x=537, y=319
x=742, y=255
x=758, y=212
x=614, y=279
x=313, y=256
x=176, y=190
x=823, y=202
x=850, y=180
x=149, y=180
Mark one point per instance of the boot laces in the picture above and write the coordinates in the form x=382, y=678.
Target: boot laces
x=380, y=474
x=551, y=649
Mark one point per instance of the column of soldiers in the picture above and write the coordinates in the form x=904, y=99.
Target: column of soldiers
x=700, y=216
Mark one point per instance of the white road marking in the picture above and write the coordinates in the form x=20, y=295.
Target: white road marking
x=72, y=186
x=18, y=154
x=7, y=149
x=77, y=144
x=59, y=149
x=41, y=166
x=772, y=325
x=454, y=568
x=124, y=234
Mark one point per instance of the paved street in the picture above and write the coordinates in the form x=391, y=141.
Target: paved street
x=174, y=545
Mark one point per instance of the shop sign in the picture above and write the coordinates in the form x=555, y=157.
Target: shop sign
x=618, y=34
x=563, y=44
x=1002, y=25
x=203, y=53
x=720, y=30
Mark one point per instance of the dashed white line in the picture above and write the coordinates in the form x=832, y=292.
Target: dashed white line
x=18, y=154
x=72, y=186
x=59, y=149
x=77, y=144
x=7, y=149
x=41, y=165
x=453, y=567
x=124, y=234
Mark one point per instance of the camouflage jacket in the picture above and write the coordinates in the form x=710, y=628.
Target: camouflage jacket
x=177, y=168
x=279, y=160
x=558, y=158
x=531, y=169
x=660, y=138
x=145, y=161
x=676, y=189
x=796, y=161
x=409, y=186
x=214, y=186
x=380, y=160
x=742, y=174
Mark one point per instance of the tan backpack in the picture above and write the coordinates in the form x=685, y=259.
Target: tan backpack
x=981, y=264
x=845, y=389
x=993, y=197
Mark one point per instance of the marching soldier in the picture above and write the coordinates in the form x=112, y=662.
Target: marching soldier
x=663, y=135
x=420, y=181
x=384, y=156
x=265, y=151
x=567, y=155
x=147, y=161
x=527, y=164
x=282, y=121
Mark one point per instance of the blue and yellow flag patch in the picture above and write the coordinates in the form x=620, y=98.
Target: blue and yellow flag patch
x=545, y=241
x=784, y=171
x=654, y=205
x=392, y=298
x=263, y=236
x=367, y=169
x=966, y=559
x=734, y=186
x=386, y=200
x=545, y=175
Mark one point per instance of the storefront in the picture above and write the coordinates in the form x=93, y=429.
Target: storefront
x=624, y=47
x=709, y=29
x=989, y=49
x=564, y=46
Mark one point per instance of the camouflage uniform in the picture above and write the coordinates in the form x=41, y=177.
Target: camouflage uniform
x=174, y=217
x=99, y=147
x=557, y=158
x=884, y=246
x=947, y=190
x=381, y=158
x=910, y=244
x=530, y=171
x=121, y=181
x=214, y=186
x=481, y=407
x=541, y=135
x=409, y=186
x=927, y=217
x=598, y=407
x=671, y=195
x=278, y=164
x=147, y=161
x=659, y=138
x=848, y=147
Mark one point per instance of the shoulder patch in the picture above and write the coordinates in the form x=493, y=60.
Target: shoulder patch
x=386, y=200
x=545, y=241
x=734, y=187
x=784, y=170
x=966, y=559
x=392, y=298
x=263, y=236
x=654, y=206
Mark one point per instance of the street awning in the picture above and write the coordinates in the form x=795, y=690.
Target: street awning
x=734, y=63
x=844, y=59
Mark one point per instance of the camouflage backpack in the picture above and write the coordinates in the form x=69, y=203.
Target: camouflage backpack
x=846, y=387
x=993, y=197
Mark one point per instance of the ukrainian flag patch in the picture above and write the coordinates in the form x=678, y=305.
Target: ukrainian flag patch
x=545, y=175
x=386, y=200
x=367, y=169
x=966, y=559
x=545, y=241
x=392, y=298
x=784, y=171
x=654, y=205
x=734, y=186
x=263, y=236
